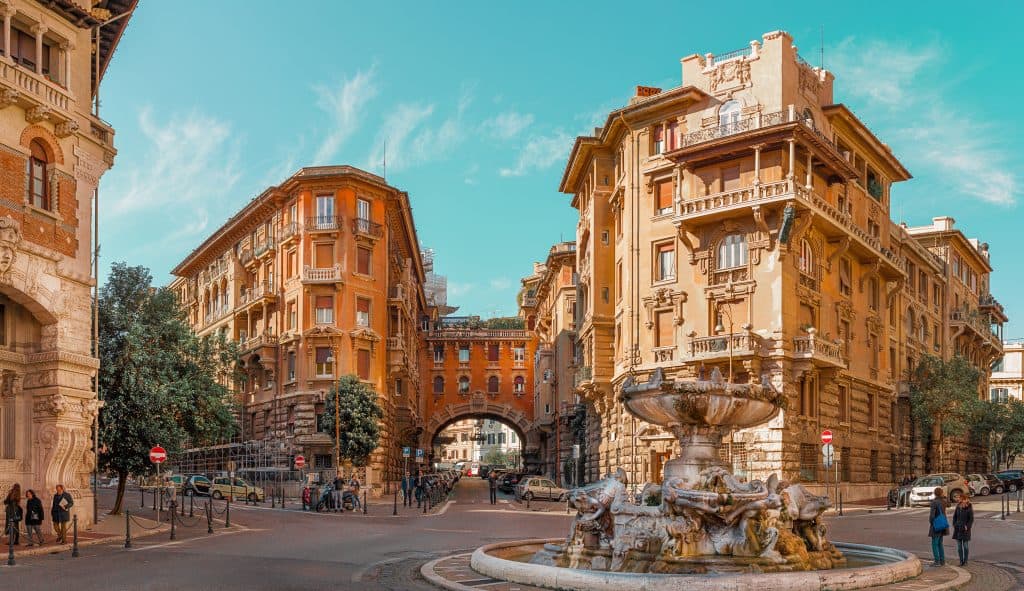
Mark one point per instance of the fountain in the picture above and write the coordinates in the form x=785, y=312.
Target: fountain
x=710, y=528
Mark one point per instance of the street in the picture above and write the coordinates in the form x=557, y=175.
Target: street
x=288, y=549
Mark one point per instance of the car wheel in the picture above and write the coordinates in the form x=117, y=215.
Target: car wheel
x=217, y=495
x=984, y=491
x=955, y=495
x=999, y=490
x=528, y=496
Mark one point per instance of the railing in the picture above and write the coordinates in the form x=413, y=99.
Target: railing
x=563, y=247
x=289, y=230
x=975, y=321
x=736, y=197
x=583, y=374
x=245, y=257
x=315, y=274
x=395, y=343
x=322, y=223
x=721, y=57
x=35, y=85
x=263, y=247
x=396, y=292
x=367, y=228
x=812, y=346
x=481, y=333
x=529, y=302
x=260, y=341
x=662, y=354
x=729, y=275
x=811, y=278
x=715, y=346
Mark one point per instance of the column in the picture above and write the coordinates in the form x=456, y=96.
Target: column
x=39, y=31
x=810, y=171
x=265, y=320
x=757, y=165
x=792, y=160
x=65, y=64
x=8, y=12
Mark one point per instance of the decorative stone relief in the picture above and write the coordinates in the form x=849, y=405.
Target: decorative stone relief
x=8, y=98
x=37, y=114
x=845, y=310
x=665, y=297
x=52, y=405
x=10, y=384
x=65, y=128
x=10, y=240
x=809, y=81
x=729, y=74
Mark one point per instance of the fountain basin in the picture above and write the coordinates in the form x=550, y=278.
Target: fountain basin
x=727, y=405
x=867, y=566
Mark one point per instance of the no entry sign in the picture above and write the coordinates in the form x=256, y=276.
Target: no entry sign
x=826, y=437
x=157, y=455
x=300, y=461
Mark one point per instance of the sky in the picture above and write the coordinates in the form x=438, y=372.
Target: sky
x=478, y=104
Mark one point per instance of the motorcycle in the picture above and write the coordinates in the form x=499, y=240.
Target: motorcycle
x=326, y=502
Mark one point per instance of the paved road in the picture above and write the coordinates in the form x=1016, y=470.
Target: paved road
x=288, y=549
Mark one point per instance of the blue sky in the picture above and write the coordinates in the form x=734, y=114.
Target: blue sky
x=479, y=103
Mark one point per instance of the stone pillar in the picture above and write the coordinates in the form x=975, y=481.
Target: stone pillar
x=810, y=171
x=7, y=12
x=39, y=31
x=757, y=165
x=792, y=160
x=65, y=64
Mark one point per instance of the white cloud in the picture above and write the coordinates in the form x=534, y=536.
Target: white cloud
x=470, y=174
x=880, y=71
x=456, y=288
x=540, y=152
x=345, y=106
x=500, y=283
x=508, y=125
x=411, y=140
x=191, y=161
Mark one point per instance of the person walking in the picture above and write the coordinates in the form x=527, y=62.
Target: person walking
x=407, y=485
x=963, y=521
x=338, y=494
x=33, y=517
x=492, y=483
x=419, y=488
x=353, y=486
x=13, y=514
x=60, y=512
x=938, y=526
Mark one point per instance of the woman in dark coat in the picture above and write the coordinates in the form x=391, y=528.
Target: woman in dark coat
x=938, y=507
x=963, y=520
x=33, y=517
x=13, y=514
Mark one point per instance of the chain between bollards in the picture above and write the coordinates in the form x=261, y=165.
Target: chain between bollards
x=127, y=528
x=74, y=536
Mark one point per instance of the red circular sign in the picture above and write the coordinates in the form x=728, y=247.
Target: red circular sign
x=300, y=461
x=826, y=437
x=157, y=455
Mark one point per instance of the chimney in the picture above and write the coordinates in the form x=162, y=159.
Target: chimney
x=943, y=223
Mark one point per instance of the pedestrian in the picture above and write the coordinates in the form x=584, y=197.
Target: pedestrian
x=307, y=498
x=60, y=512
x=337, y=493
x=353, y=485
x=407, y=486
x=938, y=526
x=419, y=488
x=33, y=517
x=13, y=514
x=963, y=521
x=492, y=483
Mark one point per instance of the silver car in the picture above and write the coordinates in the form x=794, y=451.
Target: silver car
x=538, y=487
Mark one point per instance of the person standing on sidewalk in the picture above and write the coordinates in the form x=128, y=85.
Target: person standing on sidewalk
x=60, y=512
x=963, y=521
x=938, y=526
x=13, y=514
x=492, y=483
x=337, y=494
x=407, y=485
x=33, y=517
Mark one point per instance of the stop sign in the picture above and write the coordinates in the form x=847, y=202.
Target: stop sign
x=300, y=461
x=826, y=437
x=157, y=455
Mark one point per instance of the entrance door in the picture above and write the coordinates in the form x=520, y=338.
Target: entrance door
x=657, y=464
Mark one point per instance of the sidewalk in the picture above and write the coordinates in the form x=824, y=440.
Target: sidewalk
x=109, y=529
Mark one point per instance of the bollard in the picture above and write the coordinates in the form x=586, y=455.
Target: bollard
x=282, y=497
x=273, y=499
x=566, y=506
x=142, y=497
x=840, y=503
x=10, y=544
x=172, y=512
x=209, y=517
x=182, y=509
x=127, y=529
x=227, y=513
x=1002, y=506
x=364, y=502
x=74, y=536
x=1018, y=499
x=191, y=505
x=395, y=510
x=528, y=501
x=424, y=505
x=154, y=499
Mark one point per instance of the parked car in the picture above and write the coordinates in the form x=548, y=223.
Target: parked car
x=485, y=471
x=1014, y=479
x=509, y=481
x=923, y=489
x=984, y=484
x=237, y=488
x=538, y=487
x=178, y=481
x=198, y=485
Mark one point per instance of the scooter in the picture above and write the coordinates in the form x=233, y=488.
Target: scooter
x=326, y=502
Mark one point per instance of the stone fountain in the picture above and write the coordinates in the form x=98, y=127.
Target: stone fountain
x=708, y=520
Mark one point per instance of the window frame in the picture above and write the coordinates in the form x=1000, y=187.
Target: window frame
x=665, y=269
x=735, y=250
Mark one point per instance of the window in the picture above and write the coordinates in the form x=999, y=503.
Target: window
x=464, y=385
x=665, y=262
x=729, y=115
x=438, y=385
x=672, y=135
x=323, y=254
x=1000, y=395
x=293, y=316
x=323, y=461
x=845, y=459
x=732, y=252
x=318, y=411
x=325, y=309
x=519, y=385
x=663, y=197
x=363, y=210
x=293, y=263
x=492, y=384
x=362, y=312
x=844, y=404
x=492, y=352
x=808, y=395
x=873, y=465
x=519, y=354
x=808, y=462
x=872, y=411
x=664, y=325
x=618, y=281
x=463, y=353
x=438, y=353
x=39, y=193
x=291, y=366
x=324, y=362
x=363, y=260
x=807, y=261
x=23, y=48
x=658, y=137
x=845, y=281
x=363, y=364
x=875, y=188
x=324, y=212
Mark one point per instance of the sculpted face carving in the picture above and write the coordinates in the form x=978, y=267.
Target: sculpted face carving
x=10, y=239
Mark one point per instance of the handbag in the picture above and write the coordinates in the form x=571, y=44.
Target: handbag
x=940, y=522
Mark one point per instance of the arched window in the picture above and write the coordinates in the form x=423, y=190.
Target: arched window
x=464, y=385
x=807, y=262
x=438, y=385
x=519, y=385
x=492, y=384
x=808, y=118
x=732, y=252
x=910, y=321
x=729, y=113
x=38, y=192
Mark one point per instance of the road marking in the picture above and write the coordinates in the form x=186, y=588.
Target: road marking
x=451, y=531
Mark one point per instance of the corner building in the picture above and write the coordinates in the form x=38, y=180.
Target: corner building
x=318, y=277
x=53, y=150
x=741, y=221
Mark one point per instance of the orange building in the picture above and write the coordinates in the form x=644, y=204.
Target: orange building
x=479, y=372
x=318, y=277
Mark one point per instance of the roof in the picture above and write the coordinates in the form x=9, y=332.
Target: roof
x=865, y=135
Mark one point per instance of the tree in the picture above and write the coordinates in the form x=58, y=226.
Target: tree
x=944, y=402
x=161, y=384
x=360, y=416
x=496, y=457
x=1002, y=424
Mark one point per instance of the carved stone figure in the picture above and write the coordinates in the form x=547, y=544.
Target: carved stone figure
x=10, y=240
x=593, y=508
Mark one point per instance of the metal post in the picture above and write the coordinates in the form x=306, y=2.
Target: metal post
x=74, y=536
x=1019, y=492
x=227, y=513
x=154, y=499
x=394, y=511
x=173, y=513
x=1003, y=501
x=209, y=517
x=364, y=502
x=191, y=505
x=182, y=508
x=840, y=503
x=10, y=544
x=528, y=501
x=127, y=529
x=142, y=497
x=424, y=504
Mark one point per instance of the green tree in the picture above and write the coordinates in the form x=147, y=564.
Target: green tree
x=1002, y=425
x=496, y=457
x=161, y=384
x=359, y=419
x=944, y=402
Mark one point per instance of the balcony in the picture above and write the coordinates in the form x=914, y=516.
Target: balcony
x=664, y=354
x=323, y=223
x=718, y=347
x=367, y=229
x=811, y=279
x=321, y=275
x=246, y=256
x=262, y=292
x=41, y=98
x=397, y=294
x=823, y=353
x=529, y=302
x=290, y=232
x=977, y=324
x=990, y=305
x=254, y=343
x=264, y=248
x=584, y=375
x=478, y=333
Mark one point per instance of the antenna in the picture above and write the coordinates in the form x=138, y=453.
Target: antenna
x=385, y=172
x=821, y=63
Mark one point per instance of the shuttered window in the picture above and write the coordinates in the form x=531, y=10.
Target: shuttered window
x=363, y=311
x=663, y=324
x=324, y=309
x=663, y=197
x=363, y=260
x=492, y=352
x=324, y=255
x=363, y=362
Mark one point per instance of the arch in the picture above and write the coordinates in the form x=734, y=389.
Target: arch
x=729, y=112
x=479, y=407
x=48, y=140
x=463, y=384
x=808, y=258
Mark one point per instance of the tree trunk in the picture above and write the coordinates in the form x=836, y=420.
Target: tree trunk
x=122, y=483
x=935, y=448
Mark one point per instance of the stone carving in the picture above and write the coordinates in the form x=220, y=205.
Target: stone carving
x=10, y=384
x=736, y=72
x=54, y=404
x=593, y=510
x=8, y=98
x=65, y=128
x=37, y=114
x=10, y=240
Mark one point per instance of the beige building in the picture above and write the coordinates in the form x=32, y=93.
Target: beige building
x=1008, y=374
x=54, y=150
x=741, y=221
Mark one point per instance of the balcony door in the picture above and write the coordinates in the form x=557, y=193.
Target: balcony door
x=324, y=210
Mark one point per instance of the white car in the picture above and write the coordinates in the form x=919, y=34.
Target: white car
x=922, y=491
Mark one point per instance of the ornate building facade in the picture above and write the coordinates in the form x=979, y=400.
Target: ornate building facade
x=318, y=277
x=53, y=151
x=741, y=221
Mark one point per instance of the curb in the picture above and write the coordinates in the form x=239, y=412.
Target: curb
x=61, y=548
x=427, y=570
x=962, y=578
